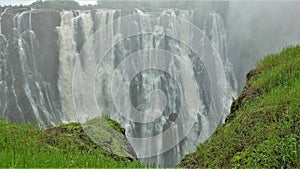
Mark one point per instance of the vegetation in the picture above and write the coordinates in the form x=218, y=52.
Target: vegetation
x=56, y=4
x=220, y=7
x=24, y=145
x=263, y=129
x=109, y=135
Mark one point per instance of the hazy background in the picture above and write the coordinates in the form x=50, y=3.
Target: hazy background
x=254, y=28
x=28, y=2
x=258, y=28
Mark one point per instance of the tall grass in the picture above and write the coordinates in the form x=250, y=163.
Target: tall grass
x=263, y=131
x=24, y=145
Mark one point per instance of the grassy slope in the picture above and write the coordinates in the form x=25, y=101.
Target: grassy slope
x=263, y=129
x=63, y=146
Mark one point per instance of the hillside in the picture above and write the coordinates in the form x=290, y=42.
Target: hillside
x=66, y=146
x=263, y=129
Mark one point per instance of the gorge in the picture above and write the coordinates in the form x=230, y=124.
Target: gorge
x=41, y=49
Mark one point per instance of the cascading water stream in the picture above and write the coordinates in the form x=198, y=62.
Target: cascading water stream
x=147, y=81
x=42, y=51
x=3, y=71
x=219, y=42
x=67, y=58
x=76, y=30
x=26, y=83
x=1, y=15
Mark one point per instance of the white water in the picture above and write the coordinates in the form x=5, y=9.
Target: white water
x=219, y=42
x=3, y=71
x=67, y=58
x=76, y=28
x=145, y=82
x=24, y=60
x=27, y=96
x=1, y=15
x=33, y=87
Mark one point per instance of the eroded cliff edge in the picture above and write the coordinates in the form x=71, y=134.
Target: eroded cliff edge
x=263, y=129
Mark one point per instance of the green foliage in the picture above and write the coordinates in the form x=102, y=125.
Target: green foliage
x=24, y=145
x=115, y=125
x=263, y=130
x=56, y=4
x=271, y=153
x=109, y=135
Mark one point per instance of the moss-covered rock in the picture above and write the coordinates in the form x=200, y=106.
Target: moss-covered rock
x=64, y=146
x=109, y=135
x=69, y=135
x=99, y=132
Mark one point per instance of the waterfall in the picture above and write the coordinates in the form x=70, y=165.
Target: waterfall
x=219, y=42
x=184, y=67
x=27, y=95
x=145, y=47
x=1, y=15
x=75, y=26
x=159, y=98
x=32, y=81
x=67, y=56
x=3, y=72
x=102, y=41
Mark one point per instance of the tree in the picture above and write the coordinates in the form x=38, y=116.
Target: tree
x=56, y=4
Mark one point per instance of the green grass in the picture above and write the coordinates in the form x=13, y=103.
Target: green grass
x=67, y=146
x=263, y=129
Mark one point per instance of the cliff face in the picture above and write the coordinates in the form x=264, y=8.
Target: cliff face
x=263, y=128
x=41, y=47
x=31, y=43
x=29, y=55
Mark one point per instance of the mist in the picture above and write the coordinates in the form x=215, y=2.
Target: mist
x=256, y=29
x=40, y=45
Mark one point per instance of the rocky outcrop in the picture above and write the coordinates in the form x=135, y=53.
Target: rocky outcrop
x=100, y=132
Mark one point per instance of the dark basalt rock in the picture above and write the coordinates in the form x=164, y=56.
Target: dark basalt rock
x=247, y=94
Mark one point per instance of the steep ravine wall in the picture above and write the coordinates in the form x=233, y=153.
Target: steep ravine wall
x=40, y=48
x=42, y=57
